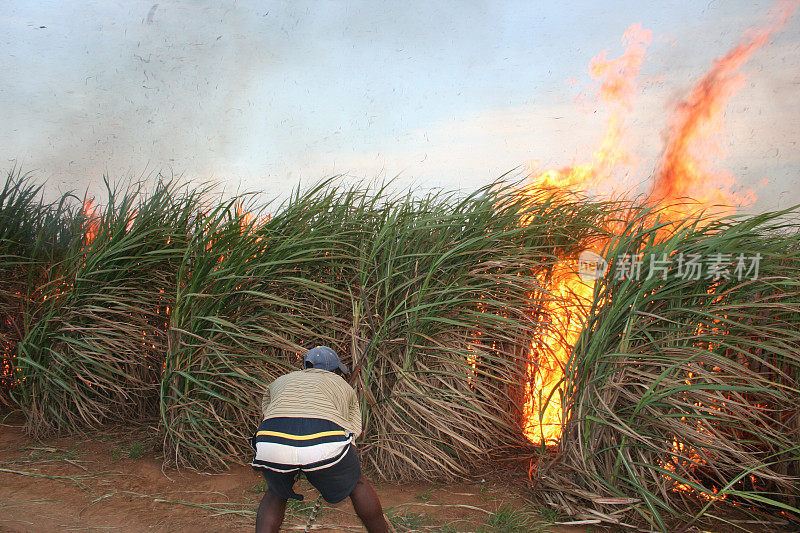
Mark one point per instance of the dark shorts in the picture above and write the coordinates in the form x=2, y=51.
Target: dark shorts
x=334, y=482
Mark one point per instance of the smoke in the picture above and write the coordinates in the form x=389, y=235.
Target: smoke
x=451, y=94
x=128, y=92
x=213, y=90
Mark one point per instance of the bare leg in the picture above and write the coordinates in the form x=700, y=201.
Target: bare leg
x=368, y=507
x=270, y=513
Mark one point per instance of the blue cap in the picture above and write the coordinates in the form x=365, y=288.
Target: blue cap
x=323, y=358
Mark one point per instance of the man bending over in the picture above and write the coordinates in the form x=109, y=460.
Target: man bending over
x=311, y=420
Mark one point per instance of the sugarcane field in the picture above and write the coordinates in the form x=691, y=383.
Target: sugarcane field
x=432, y=268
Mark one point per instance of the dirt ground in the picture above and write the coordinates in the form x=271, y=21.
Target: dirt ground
x=113, y=481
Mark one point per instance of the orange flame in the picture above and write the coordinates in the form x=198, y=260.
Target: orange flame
x=245, y=217
x=567, y=315
x=694, y=134
x=92, y=221
x=616, y=89
x=683, y=172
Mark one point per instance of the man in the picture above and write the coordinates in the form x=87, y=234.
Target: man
x=311, y=420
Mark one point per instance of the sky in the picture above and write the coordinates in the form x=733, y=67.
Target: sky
x=271, y=96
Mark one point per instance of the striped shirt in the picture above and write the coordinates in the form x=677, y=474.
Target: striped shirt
x=313, y=393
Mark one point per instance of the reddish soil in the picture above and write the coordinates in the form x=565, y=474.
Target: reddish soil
x=112, y=481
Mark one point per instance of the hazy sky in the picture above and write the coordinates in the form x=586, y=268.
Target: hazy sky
x=262, y=95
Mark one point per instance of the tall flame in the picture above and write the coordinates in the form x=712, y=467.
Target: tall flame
x=567, y=313
x=92, y=221
x=616, y=90
x=684, y=171
x=693, y=140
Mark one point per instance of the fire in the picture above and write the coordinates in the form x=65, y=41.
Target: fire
x=92, y=221
x=694, y=135
x=685, y=171
x=242, y=214
x=567, y=313
x=616, y=90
